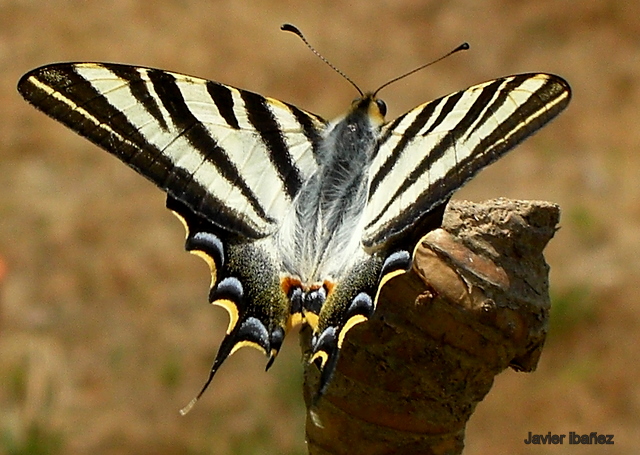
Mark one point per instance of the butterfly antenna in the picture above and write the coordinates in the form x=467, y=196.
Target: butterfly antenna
x=462, y=47
x=293, y=29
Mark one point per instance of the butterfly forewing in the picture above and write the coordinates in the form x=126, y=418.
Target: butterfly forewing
x=203, y=142
x=428, y=153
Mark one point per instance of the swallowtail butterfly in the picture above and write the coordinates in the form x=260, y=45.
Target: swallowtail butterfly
x=301, y=220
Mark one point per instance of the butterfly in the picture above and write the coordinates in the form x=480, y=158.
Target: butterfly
x=301, y=220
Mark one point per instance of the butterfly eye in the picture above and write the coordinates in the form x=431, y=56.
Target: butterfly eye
x=382, y=107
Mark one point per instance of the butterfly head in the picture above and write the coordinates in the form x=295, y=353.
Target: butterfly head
x=372, y=107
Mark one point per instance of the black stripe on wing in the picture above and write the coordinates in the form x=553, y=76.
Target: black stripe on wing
x=309, y=128
x=223, y=98
x=267, y=126
x=140, y=90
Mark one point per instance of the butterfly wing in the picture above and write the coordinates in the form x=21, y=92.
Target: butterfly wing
x=431, y=151
x=230, y=155
x=230, y=160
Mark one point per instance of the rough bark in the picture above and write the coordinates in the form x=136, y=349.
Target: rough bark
x=475, y=302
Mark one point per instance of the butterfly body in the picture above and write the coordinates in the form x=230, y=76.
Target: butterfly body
x=300, y=220
x=326, y=214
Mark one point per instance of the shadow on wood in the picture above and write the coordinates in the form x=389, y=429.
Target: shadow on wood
x=475, y=302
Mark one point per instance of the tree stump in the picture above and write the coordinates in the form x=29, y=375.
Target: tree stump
x=475, y=302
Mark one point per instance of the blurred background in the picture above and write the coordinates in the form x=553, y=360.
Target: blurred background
x=105, y=330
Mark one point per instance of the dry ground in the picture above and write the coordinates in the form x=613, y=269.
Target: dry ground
x=104, y=328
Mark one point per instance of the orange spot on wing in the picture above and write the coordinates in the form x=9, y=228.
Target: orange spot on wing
x=329, y=285
x=287, y=283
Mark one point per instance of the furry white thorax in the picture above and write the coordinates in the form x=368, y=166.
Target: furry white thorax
x=320, y=238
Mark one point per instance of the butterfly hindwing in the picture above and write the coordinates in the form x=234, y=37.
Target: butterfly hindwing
x=244, y=281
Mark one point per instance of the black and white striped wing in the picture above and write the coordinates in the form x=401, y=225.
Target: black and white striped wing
x=232, y=156
x=432, y=150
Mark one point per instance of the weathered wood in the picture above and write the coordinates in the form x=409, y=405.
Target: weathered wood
x=475, y=303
